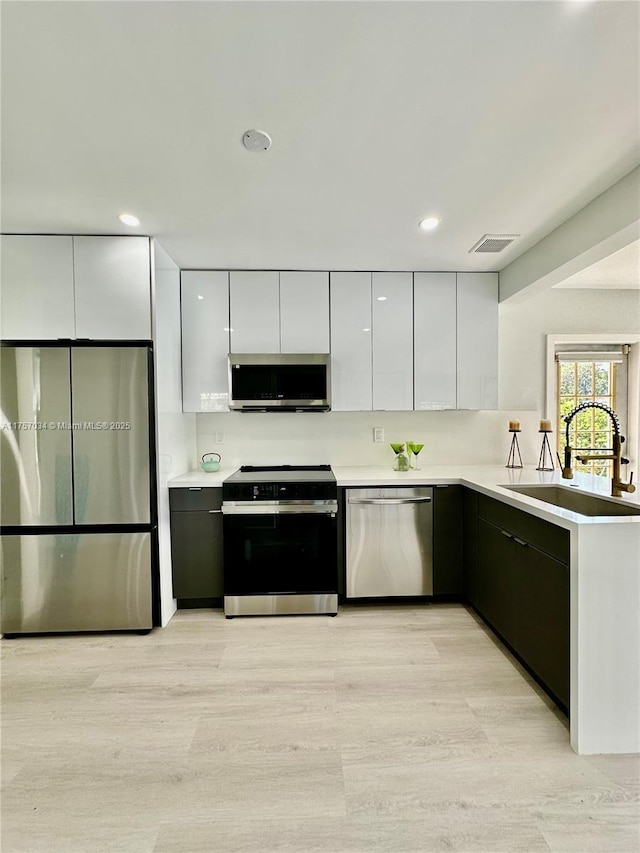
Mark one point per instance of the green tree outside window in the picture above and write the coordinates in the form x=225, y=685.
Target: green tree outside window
x=579, y=382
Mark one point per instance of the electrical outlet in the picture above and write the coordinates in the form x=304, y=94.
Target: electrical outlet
x=219, y=438
x=378, y=434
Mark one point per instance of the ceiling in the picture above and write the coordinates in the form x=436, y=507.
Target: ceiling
x=497, y=117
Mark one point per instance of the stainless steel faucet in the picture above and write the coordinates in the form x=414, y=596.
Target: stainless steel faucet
x=617, y=485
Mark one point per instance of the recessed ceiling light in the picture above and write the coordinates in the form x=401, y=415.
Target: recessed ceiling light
x=429, y=223
x=382, y=298
x=200, y=296
x=129, y=219
x=366, y=330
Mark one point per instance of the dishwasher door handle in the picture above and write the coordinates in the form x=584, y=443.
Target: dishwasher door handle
x=389, y=501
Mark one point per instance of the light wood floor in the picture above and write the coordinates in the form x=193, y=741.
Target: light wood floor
x=385, y=729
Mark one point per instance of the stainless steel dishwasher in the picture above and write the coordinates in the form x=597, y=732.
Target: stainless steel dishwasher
x=389, y=541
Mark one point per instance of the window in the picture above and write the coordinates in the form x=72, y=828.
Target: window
x=591, y=374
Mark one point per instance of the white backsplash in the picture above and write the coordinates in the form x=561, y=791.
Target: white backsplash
x=346, y=438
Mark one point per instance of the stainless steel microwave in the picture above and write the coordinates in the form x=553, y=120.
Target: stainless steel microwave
x=280, y=382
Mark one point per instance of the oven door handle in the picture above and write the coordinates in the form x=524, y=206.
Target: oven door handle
x=257, y=509
x=389, y=501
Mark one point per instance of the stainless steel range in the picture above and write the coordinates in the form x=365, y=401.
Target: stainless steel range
x=280, y=540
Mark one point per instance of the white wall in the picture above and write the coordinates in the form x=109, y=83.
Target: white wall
x=525, y=324
x=175, y=431
x=346, y=438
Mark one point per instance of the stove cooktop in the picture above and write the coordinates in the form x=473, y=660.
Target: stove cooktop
x=282, y=474
x=279, y=468
x=268, y=482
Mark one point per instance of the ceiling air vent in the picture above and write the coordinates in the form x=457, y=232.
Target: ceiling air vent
x=494, y=243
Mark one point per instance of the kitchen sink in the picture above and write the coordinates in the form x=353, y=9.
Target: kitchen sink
x=576, y=501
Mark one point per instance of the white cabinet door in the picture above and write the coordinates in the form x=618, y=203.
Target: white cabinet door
x=37, y=287
x=434, y=340
x=205, y=341
x=255, y=311
x=112, y=287
x=477, y=298
x=351, y=376
x=304, y=312
x=392, y=341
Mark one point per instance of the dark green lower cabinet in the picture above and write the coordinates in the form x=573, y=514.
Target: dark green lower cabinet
x=470, y=545
x=542, y=618
x=497, y=579
x=523, y=589
x=196, y=544
x=447, y=540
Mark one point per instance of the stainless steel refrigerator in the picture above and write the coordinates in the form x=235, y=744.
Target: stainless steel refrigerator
x=77, y=497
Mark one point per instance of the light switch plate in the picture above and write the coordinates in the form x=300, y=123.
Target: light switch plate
x=219, y=438
x=378, y=434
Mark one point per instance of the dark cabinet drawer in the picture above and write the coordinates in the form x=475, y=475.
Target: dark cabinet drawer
x=547, y=537
x=187, y=499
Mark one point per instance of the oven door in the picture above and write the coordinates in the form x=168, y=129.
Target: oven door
x=278, y=550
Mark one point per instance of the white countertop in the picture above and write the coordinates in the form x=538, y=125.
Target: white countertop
x=197, y=479
x=494, y=481
x=491, y=480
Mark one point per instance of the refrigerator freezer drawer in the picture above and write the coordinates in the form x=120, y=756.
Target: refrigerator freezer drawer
x=76, y=582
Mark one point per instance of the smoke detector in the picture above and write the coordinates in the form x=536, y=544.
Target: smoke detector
x=256, y=140
x=493, y=243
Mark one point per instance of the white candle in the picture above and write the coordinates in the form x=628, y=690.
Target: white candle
x=545, y=426
x=514, y=425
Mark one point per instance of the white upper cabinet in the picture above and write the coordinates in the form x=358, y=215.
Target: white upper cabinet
x=392, y=341
x=205, y=340
x=477, y=351
x=112, y=288
x=76, y=287
x=434, y=340
x=351, y=330
x=37, y=288
x=304, y=312
x=255, y=311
